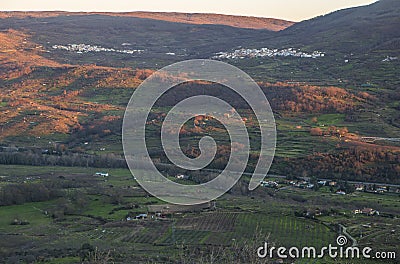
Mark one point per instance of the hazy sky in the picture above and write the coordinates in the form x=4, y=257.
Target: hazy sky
x=294, y=10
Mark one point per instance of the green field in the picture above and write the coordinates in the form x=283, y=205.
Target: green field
x=96, y=215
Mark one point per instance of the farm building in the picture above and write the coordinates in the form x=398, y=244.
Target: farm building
x=366, y=211
x=102, y=174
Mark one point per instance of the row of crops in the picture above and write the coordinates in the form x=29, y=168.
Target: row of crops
x=222, y=228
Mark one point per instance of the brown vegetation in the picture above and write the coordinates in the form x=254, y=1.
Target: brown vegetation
x=311, y=99
x=188, y=18
x=363, y=162
x=18, y=55
x=35, y=105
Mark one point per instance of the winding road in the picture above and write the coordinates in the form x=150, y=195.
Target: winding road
x=343, y=230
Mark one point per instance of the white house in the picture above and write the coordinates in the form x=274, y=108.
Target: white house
x=141, y=216
x=182, y=177
x=102, y=174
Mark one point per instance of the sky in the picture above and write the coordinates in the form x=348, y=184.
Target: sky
x=294, y=10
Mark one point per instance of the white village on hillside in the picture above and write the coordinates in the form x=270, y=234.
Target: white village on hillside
x=266, y=52
x=85, y=48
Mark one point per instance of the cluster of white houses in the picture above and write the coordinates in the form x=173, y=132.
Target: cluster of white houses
x=306, y=184
x=389, y=58
x=266, y=52
x=160, y=211
x=85, y=48
x=366, y=211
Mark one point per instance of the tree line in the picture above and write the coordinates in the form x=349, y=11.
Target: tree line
x=360, y=164
x=31, y=158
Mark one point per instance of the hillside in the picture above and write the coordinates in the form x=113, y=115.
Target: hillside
x=186, y=18
x=217, y=19
x=18, y=55
x=67, y=196
x=375, y=27
x=357, y=41
x=67, y=77
x=162, y=42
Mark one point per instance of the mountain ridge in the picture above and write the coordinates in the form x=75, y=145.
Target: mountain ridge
x=248, y=22
x=363, y=28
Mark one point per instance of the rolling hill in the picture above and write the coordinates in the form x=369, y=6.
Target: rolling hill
x=360, y=29
x=66, y=195
x=185, y=18
x=159, y=39
x=64, y=76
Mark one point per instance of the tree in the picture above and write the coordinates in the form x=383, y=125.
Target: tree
x=316, y=131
